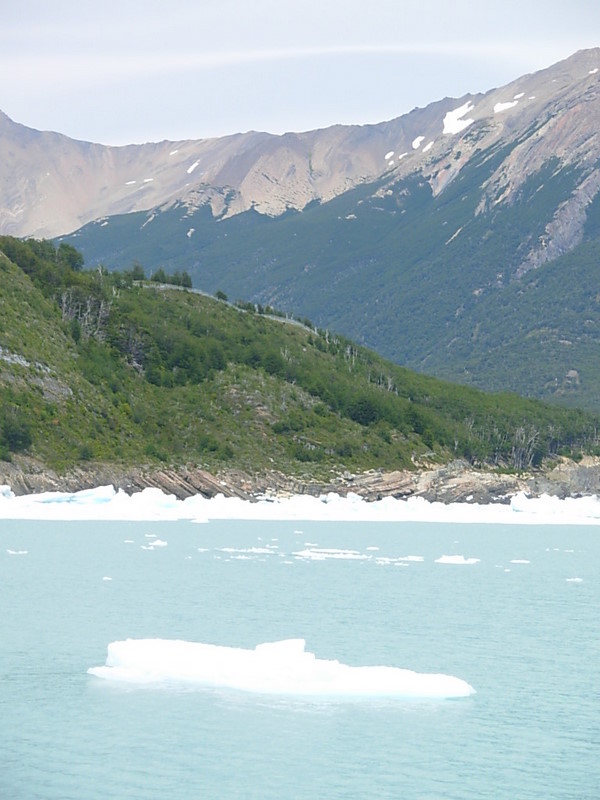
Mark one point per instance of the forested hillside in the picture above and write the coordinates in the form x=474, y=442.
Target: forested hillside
x=98, y=366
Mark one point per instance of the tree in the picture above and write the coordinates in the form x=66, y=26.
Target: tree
x=70, y=257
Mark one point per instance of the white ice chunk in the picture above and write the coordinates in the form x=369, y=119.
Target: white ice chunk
x=17, y=552
x=190, y=233
x=151, y=505
x=519, y=561
x=574, y=580
x=281, y=668
x=106, y=578
x=456, y=560
x=505, y=106
x=320, y=554
x=453, y=122
x=416, y=143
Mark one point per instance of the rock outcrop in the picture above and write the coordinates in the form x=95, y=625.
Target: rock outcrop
x=452, y=483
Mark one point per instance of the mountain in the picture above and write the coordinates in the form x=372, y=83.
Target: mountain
x=460, y=240
x=104, y=372
x=52, y=185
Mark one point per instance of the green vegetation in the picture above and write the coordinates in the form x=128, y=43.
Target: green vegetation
x=98, y=366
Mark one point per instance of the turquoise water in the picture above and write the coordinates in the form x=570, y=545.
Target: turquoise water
x=524, y=635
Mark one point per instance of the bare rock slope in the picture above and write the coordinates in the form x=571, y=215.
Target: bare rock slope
x=52, y=185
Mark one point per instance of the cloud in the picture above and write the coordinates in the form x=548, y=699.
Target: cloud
x=76, y=69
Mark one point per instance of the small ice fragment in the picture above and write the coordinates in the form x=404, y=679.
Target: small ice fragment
x=456, y=560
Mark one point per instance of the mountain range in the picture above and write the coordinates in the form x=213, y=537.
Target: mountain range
x=460, y=239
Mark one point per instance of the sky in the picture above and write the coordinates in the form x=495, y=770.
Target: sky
x=125, y=71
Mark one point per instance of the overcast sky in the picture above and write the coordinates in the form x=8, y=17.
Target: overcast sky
x=125, y=71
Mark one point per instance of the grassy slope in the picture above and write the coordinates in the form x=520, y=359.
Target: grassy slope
x=175, y=377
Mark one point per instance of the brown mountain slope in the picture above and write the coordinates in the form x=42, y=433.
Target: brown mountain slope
x=51, y=185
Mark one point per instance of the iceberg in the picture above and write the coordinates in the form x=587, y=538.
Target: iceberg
x=151, y=504
x=275, y=668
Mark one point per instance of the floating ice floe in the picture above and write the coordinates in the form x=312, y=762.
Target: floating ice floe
x=151, y=504
x=456, y=560
x=276, y=668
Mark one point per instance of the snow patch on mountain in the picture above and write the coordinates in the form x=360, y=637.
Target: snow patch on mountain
x=499, y=107
x=454, y=122
x=416, y=143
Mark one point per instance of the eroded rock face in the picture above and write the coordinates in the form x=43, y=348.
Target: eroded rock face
x=452, y=483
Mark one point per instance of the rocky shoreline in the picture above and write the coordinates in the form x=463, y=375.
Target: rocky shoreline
x=454, y=482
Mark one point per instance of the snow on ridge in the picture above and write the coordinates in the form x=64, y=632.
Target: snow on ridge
x=593, y=71
x=192, y=168
x=389, y=155
x=453, y=122
x=416, y=143
x=519, y=96
x=499, y=107
x=428, y=146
